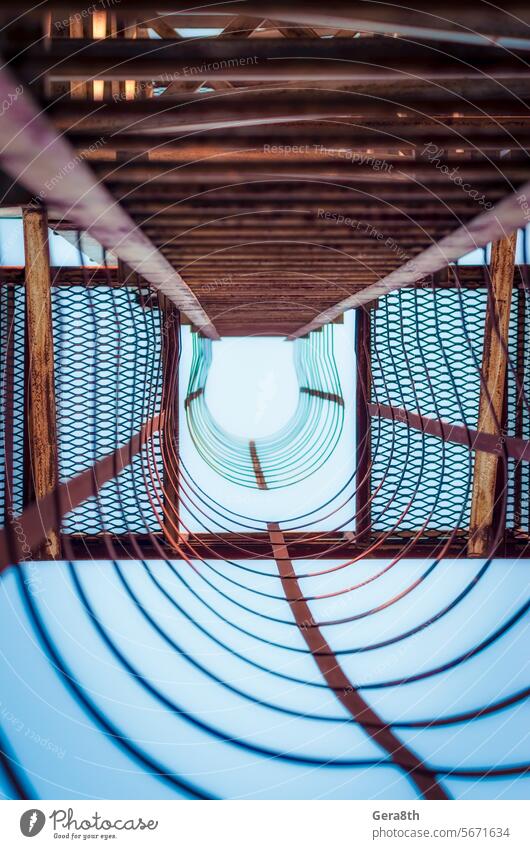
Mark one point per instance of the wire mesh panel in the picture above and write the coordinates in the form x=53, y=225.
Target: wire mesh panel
x=12, y=324
x=426, y=353
x=108, y=383
x=230, y=628
x=518, y=416
x=426, y=358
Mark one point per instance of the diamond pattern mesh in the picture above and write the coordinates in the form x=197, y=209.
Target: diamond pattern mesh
x=518, y=401
x=108, y=382
x=426, y=345
x=12, y=329
x=426, y=348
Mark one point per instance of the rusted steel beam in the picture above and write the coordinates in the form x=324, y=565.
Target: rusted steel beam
x=39, y=518
x=263, y=294
x=337, y=680
x=212, y=275
x=162, y=27
x=137, y=131
x=391, y=140
x=361, y=170
x=256, y=465
x=192, y=396
x=471, y=23
x=324, y=396
x=210, y=282
x=214, y=255
x=497, y=533
x=336, y=250
x=35, y=155
x=473, y=18
x=476, y=440
x=232, y=249
x=238, y=26
x=468, y=277
x=302, y=191
x=325, y=544
x=492, y=393
x=210, y=258
x=246, y=241
x=332, y=275
x=221, y=219
x=287, y=188
x=64, y=275
x=357, y=232
x=363, y=447
x=216, y=266
x=41, y=413
x=215, y=258
x=240, y=60
x=496, y=223
x=170, y=436
x=242, y=111
x=232, y=209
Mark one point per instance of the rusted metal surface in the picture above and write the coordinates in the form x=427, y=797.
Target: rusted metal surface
x=185, y=163
x=490, y=226
x=34, y=154
x=192, y=396
x=492, y=393
x=42, y=450
x=337, y=680
x=363, y=447
x=256, y=465
x=328, y=545
x=515, y=169
x=481, y=441
x=170, y=405
x=462, y=23
x=267, y=60
x=271, y=112
x=34, y=524
x=325, y=396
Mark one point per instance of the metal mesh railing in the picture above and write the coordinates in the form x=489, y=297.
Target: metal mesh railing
x=518, y=416
x=12, y=330
x=275, y=617
x=108, y=376
x=108, y=382
x=426, y=347
x=426, y=351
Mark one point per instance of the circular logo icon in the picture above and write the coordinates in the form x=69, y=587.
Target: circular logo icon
x=32, y=822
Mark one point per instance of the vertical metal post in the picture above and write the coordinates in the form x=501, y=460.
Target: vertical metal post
x=518, y=431
x=170, y=407
x=492, y=393
x=40, y=392
x=363, y=425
